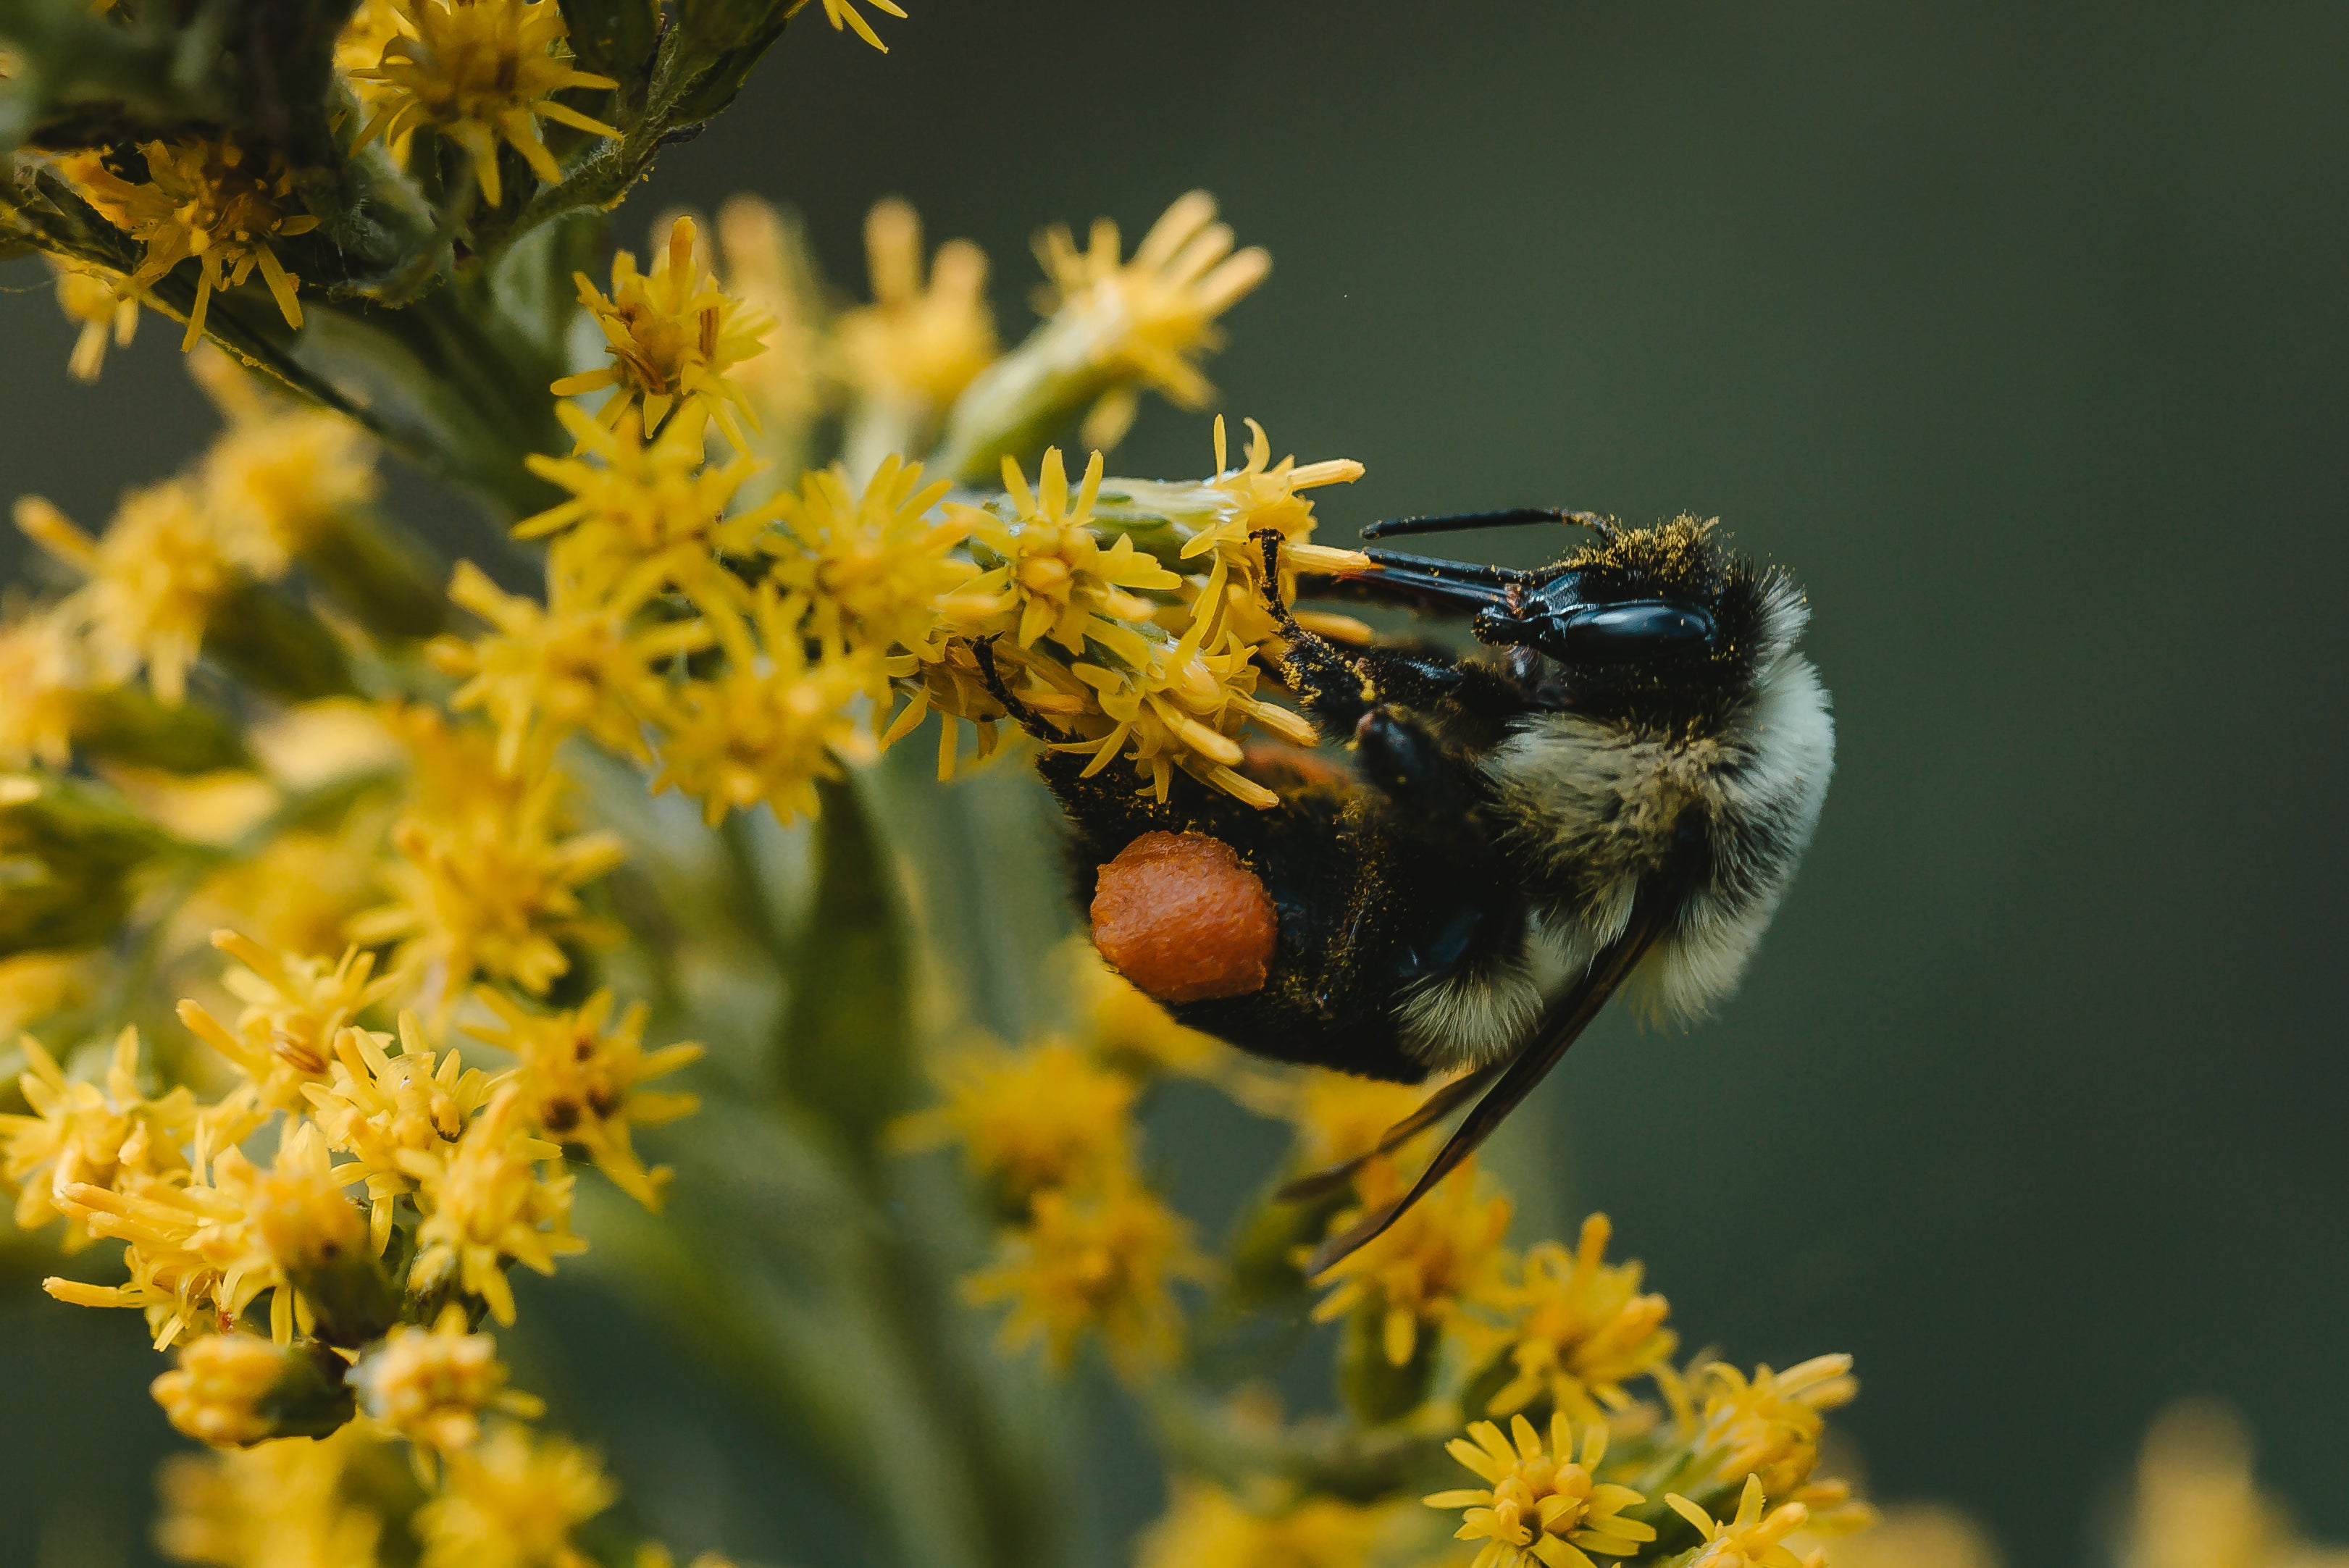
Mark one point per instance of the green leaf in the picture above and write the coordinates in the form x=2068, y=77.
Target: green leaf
x=614, y=37
x=69, y=856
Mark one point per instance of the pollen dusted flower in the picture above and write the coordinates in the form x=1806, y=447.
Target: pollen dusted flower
x=1541, y=1503
x=1579, y=1328
x=293, y=1006
x=1206, y=1527
x=488, y=1202
x=44, y=671
x=647, y=501
x=1149, y=318
x=512, y=1501
x=479, y=72
x=1028, y=1120
x=214, y=1394
x=1054, y=580
x=394, y=1113
x=208, y=200
x=1262, y=496
x=844, y=11
x=579, y=662
x=1104, y=1260
x=868, y=564
x=102, y=303
x=768, y=725
x=673, y=334
x=582, y=1075
x=162, y=567
x=1445, y=1251
x=917, y=346
x=432, y=1385
x=1751, y=1539
x=1765, y=1426
x=80, y=1134
x=282, y=1504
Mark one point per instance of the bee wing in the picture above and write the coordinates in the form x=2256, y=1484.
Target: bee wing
x=1561, y=1025
x=1434, y=1108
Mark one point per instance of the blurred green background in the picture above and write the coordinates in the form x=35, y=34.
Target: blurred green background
x=2020, y=331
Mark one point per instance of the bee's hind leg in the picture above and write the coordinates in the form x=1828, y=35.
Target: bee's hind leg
x=1025, y=717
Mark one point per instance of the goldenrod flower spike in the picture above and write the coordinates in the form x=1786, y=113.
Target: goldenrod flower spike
x=1751, y=1538
x=917, y=344
x=1541, y=1504
x=99, y=301
x=1445, y=1253
x=512, y=1501
x=481, y=72
x=1028, y=1120
x=1095, y=1260
x=673, y=335
x=208, y=200
x=1580, y=1329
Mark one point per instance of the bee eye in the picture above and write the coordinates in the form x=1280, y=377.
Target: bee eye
x=1642, y=629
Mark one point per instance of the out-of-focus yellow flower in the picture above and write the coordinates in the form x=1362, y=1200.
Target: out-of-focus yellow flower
x=579, y=661
x=840, y=12
x=1053, y=579
x=44, y=670
x=648, y=500
x=1337, y=1116
x=162, y=567
x=1150, y=318
x=1100, y=1260
x=214, y=1394
x=104, y=306
x=1765, y=1426
x=1206, y=1527
x=1924, y=1535
x=1580, y=1328
x=1751, y=1538
x=766, y=266
x=480, y=72
x=1029, y=1120
x=432, y=1385
x=869, y=565
x=2197, y=1504
x=208, y=200
x=316, y=743
x=511, y=1501
x=393, y=1112
x=298, y=893
x=1444, y=1252
x=771, y=723
x=280, y=1504
x=492, y=890
x=917, y=346
x=1131, y=1032
x=489, y=1201
x=80, y=1134
x=33, y=986
x=653, y=1555
x=1541, y=1504
x=582, y=1075
x=673, y=334
x=218, y=808
x=299, y=1208
x=282, y=474
x=293, y=1006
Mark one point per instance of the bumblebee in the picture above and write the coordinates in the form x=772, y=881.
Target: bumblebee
x=1615, y=798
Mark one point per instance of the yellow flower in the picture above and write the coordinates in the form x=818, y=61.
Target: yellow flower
x=480, y=72
x=430, y=1386
x=299, y=1208
x=283, y=1504
x=282, y=474
x=35, y=986
x=768, y=268
x=917, y=346
x=673, y=334
x=1206, y=1527
x=1045, y=1117
x=653, y=1555
x=1541, y=1503
x=1579, y=1328
x=488, y=1202
x=1101, y=1260
x=44, y=670
x=155, y=578
x=488, y=886
x=1148, y=319
x=1054, y=580
x=299, y=892
x=771, y=724
x=1338, y=1116
x=293, y=1006
x=648, y=500
x=97, y=300
x=844, y=11
x=80, y=1134
x=582, y=1077
x=208, y=200
x=511, y=1503
x=390, y=1112
x=1132, y=1033
x=1751, y=1539
x=1237, y=504
x=214, y=1394
x=1765, y=1426
x=1444, y=1252
x=1925, y=1536
x=577, y=662
x=2198, y=1505
x=871, y=569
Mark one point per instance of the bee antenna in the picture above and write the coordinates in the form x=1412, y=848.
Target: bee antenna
x=1460, y=521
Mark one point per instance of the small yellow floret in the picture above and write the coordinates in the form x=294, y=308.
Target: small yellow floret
x=1206, y=1527
x=1752, y=1537
x=1103, y=1260
x=917, y=345
x=104, y=306
x=293, y=1005
x=1541, y=1504
x=488, y=1202
x=1052, y=577
x=1444, y=1252
x=1767, y=1425
x=648, y=501
x=844, y=11
x=432, y=1385
x=1045, y=1117
x=392, y=1113
x=1579, y=1328
x=280, y=1504
x=83, y=1134
x=44, y=671
x=870, y=565
x=282, y=474
x=512, y=1501
x=214, y=1394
